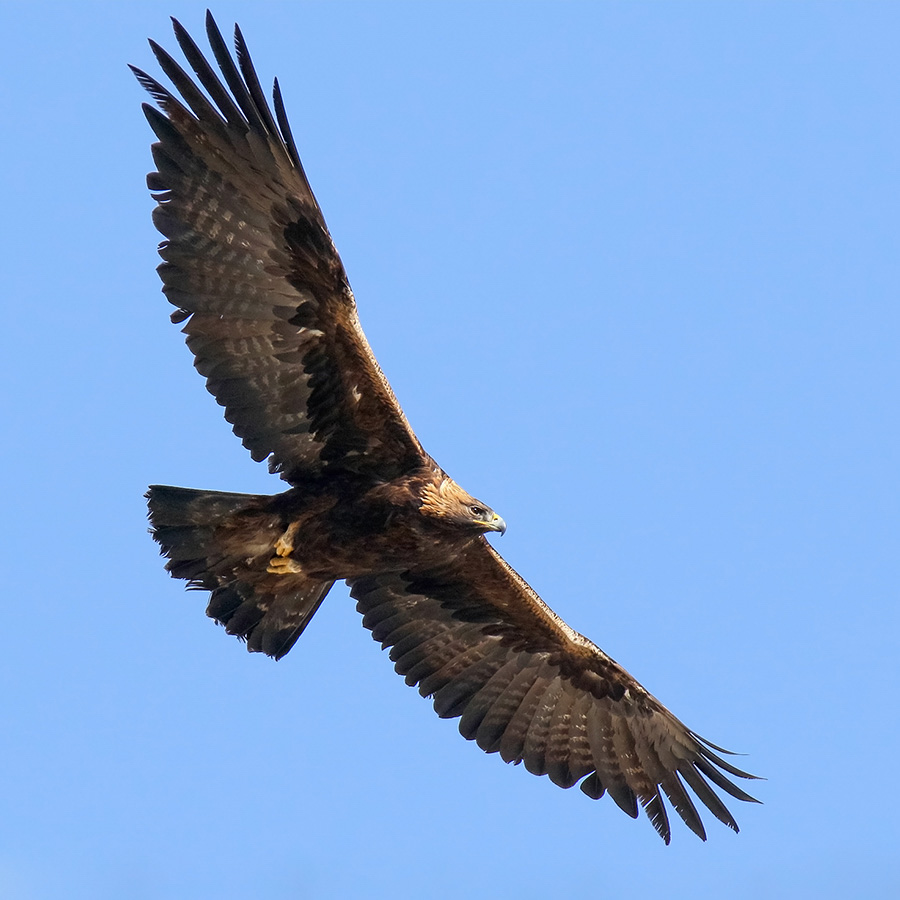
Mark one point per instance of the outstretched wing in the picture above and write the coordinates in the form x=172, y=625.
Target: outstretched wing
x=249, y=262
x=475, y=637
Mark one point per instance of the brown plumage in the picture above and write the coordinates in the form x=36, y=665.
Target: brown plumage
x=270, y=318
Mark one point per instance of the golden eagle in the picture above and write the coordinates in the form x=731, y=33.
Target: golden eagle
x=270, y=318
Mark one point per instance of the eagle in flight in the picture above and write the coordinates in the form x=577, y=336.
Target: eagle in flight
x=251, y=269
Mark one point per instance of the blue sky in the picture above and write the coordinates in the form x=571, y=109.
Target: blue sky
x=632, y=272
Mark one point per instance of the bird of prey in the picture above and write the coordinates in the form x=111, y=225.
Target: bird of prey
x=269, y=316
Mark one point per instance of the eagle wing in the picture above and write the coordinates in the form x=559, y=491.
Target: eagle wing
x=251, y=267
x=477, y=639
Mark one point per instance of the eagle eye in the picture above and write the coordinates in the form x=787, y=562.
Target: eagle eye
x=478, y=510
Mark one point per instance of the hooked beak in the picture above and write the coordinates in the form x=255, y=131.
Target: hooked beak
x=496, y=524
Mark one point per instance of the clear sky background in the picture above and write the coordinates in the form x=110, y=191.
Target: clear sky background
x=632, y=270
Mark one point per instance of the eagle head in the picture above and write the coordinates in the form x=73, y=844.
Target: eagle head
x=445, y=500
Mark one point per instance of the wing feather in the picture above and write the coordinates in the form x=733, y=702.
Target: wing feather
x=497, y=710
x=534, y=750
x=486, y=727
x=512, y=745
x=456, y=697
x=659, y=818
x=458, y=661
x=253, y=273
x=601, y=730
x=580, y=758
x=207, y=76
x=684, y=806
x=707, y=796
x=472, y=634
x=557, y=760
x=193, y=96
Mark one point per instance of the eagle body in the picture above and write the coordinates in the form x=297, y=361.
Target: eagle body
x=271, y=321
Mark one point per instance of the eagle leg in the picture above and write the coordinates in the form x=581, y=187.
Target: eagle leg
x=284, y=546
x=281, y=563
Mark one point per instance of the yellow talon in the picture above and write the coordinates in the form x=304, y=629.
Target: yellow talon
x=284, y=546
x=281, y=565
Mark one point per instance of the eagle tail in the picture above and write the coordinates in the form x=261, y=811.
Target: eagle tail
x=223, y=543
